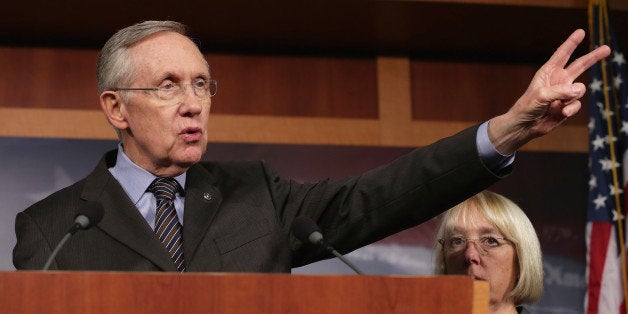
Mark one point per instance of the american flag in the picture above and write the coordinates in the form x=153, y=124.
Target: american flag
x=608, y=166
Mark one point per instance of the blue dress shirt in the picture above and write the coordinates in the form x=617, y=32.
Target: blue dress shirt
x=135, y=182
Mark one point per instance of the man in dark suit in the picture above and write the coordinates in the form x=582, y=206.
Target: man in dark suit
x=155, y=89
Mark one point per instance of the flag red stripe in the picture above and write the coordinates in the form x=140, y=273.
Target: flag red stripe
x=600, y=235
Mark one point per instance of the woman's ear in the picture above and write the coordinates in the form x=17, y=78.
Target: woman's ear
x=112, y=105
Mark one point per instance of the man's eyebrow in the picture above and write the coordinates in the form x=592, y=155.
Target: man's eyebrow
x=205, y=76
x=165, y=75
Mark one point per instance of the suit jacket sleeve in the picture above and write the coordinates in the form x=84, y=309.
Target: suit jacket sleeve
x=416, y=187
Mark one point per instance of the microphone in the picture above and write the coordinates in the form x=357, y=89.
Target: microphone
x=306, y=230
x=89, y=214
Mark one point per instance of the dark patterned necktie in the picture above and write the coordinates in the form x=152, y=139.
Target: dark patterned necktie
x=167, y=226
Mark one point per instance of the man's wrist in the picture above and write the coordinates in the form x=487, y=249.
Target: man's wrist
x=488, y=153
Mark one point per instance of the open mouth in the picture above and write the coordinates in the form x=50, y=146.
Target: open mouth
x=191, y=130
x=191, y=134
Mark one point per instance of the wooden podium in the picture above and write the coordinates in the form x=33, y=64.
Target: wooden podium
x=122, y=292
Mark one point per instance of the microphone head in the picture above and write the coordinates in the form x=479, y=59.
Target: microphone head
x=306, y=230
x=89, y=214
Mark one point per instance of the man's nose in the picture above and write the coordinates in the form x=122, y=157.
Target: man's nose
x=191, y=104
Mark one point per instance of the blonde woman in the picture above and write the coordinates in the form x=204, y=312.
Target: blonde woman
x=490, y=238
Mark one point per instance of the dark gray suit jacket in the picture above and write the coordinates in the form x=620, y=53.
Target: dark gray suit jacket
x=238, y=214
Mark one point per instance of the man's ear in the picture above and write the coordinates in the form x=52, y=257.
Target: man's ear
x=112, y=106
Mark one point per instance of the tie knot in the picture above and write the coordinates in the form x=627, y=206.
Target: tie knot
x=164, y=188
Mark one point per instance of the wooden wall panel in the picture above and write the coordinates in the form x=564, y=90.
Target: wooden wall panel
x=48, y=78
x=251, y=85
x=295, y=86
x=456, y=91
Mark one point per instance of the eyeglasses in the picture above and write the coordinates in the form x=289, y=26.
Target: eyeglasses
x=485, y=243
x=169, y=91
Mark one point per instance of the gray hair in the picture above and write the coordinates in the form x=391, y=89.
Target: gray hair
x=513, y=223
x=114, y=64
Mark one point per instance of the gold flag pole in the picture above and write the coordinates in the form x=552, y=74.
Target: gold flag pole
x=604, y=33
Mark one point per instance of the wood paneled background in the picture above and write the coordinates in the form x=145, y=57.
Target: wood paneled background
x=388, y=72
x=391, y=101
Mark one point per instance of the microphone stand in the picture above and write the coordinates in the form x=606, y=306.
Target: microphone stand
x=56, y=250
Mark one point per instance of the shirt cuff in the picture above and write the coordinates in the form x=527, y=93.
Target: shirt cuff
x=490, y=157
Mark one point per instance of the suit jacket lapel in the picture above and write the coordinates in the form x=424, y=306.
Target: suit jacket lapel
x=121, y=219
x=202, y=199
